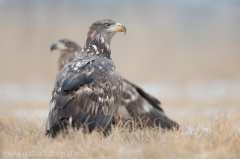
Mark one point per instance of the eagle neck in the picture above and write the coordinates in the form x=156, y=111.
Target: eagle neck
x=98, y=45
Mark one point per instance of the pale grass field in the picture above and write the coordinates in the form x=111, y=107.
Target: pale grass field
x=208, y=130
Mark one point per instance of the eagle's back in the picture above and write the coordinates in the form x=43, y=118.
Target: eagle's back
x=87, y=93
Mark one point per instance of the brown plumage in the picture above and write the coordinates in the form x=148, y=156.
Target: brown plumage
x=88, y=90
x=135, y=104
x=66, y=46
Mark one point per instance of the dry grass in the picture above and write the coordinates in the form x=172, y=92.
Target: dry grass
x=206, y=132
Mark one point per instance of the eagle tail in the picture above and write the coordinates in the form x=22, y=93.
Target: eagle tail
x=158, y=118
x=155, y=118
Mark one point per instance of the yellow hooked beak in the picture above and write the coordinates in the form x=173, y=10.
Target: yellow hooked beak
x=118, y=27
x=58, y=46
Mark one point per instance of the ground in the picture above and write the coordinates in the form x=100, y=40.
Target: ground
x=209, y=129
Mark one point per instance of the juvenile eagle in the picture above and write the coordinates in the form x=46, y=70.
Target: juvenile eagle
x=88, y=90
x=135, y=103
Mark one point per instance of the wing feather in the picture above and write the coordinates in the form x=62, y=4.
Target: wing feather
x=139, y=105
x=86, y=87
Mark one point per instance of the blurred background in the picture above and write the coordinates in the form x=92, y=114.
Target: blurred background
x=186, y=53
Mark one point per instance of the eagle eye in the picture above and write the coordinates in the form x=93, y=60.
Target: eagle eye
x=107, y=24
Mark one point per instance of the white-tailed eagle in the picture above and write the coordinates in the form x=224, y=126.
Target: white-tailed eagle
x=135, y=104
x=88, y=90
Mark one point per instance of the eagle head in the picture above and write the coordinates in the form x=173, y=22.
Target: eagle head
x=65, y=45
x=105, y=28
x=100, y=35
